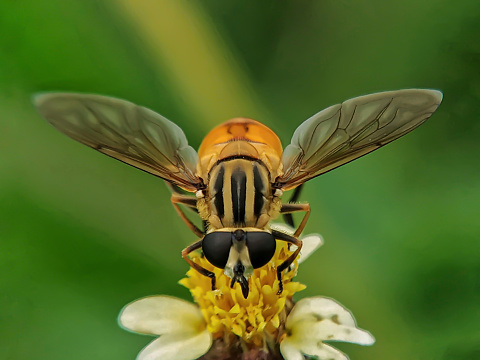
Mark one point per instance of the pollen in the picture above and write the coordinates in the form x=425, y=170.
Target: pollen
x=258, y=319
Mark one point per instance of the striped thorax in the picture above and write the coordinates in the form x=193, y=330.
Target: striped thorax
x=240, y=165
x=240, y=194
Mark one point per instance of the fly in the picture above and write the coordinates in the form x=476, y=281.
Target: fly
x=241, y=170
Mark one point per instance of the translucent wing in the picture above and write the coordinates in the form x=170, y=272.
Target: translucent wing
x=132, y=134
x=344, y=132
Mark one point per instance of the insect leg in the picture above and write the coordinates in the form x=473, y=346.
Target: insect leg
x=292, y=240
x=190, y=202
x=201, y=270
x=288, y=218
x=192, y=206
x=291, y=208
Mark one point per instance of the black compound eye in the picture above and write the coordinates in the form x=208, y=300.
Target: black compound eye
x=216, y=248
x=261, y=247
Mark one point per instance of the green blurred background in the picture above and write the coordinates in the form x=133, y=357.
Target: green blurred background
x=81, y=235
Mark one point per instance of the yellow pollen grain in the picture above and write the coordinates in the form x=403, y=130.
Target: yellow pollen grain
x=226, y=310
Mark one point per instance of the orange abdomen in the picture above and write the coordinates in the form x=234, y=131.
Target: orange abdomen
x=240, y=137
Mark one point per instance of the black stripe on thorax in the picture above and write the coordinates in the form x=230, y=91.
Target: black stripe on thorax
x=218, y=188
x=239, y=195
x=260, y=188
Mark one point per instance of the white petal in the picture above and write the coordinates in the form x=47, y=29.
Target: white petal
x=177, y=347
x=311, y=331
x=286, y=229
x=159, y=315
x=290, y=351
x=318, y=319
x=319, y=308
x=311, y=243
x=293, y=348
x=331, y=331
x=325, y=352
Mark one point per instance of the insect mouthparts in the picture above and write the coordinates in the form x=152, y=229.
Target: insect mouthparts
x=238, y=270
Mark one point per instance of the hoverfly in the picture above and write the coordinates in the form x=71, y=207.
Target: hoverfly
x=240, y=171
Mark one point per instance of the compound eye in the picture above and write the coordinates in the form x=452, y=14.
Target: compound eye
x=261, y=247
x=216, y=248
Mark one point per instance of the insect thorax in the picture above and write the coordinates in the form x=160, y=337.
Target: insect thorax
x=238, y=195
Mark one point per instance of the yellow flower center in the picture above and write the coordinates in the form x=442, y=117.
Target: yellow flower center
x=255, y=319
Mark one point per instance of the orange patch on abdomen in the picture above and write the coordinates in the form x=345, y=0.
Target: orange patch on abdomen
x=238, y=137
